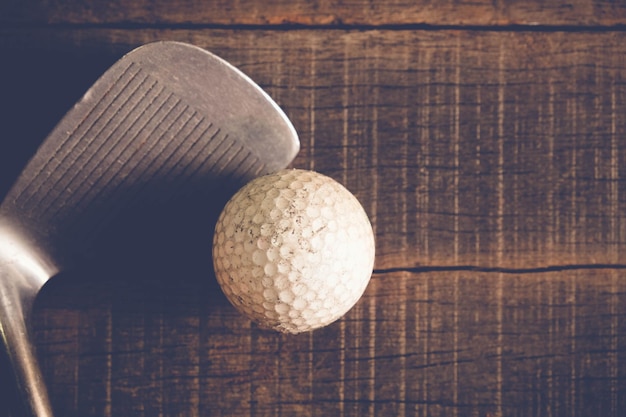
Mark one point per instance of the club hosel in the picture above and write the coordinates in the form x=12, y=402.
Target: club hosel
x=21, y=276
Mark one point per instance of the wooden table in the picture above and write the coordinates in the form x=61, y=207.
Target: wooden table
x=487, y=142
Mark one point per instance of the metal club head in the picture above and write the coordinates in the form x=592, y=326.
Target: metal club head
x=166, y=116
x=166, y=125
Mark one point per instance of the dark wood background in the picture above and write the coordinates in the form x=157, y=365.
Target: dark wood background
x=487, y=142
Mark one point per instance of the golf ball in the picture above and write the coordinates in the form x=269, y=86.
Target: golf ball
x=293, y=251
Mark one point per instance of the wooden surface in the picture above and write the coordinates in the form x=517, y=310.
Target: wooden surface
x=487, y=142
x=327, y=13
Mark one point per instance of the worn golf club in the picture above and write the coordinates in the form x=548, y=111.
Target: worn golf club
x=167, y=121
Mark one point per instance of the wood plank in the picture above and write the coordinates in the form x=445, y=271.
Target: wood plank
x=484, y=149
x=491, y=164
x=322, y=12
x=462, y=343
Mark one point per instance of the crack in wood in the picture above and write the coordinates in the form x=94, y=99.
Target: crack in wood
x=499, y=270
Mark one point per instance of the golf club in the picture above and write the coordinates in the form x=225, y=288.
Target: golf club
x=167, y=122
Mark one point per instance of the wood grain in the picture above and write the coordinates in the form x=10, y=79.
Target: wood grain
x=477, y=149
x=318, y=13
x=417, y=344
x=485, y=140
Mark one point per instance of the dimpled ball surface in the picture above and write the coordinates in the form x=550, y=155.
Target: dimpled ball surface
x=293, y=250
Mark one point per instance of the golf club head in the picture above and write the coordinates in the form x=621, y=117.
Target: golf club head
x=168, y=125
x=167, y=119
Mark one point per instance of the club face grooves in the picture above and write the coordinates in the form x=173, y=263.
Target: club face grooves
x=166, y=122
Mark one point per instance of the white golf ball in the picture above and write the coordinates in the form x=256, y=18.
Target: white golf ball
x=294, y=250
